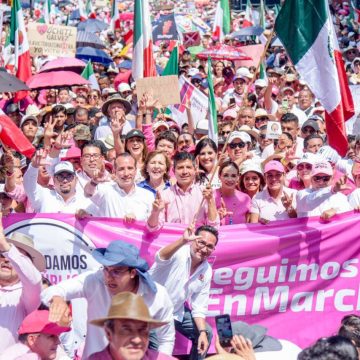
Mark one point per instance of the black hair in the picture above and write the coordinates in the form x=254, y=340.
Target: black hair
x=289, y=117
x=93, y=143
x=125, y=155
x=350, y=328
x=58, y=109
x=312, y=136
x=182, y=156
x=288, y=135
x=201, y=144
x=64, y=88
x=209, y=229
x=166, y=135
x=228, y=163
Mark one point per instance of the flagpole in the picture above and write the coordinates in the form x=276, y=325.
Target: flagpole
x=262, y=57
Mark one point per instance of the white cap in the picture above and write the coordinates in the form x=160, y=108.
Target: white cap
x=327, y=153
x=28, y=117
x=308, y=158
x=108, y=141
x=124, y=87
x=64, y=166
x=159, y=123
x=243, y=136
x=202, y=127
x=244, y=71
x=193, y=71
x=260, y=83
x=32, y=110
x=250, y=165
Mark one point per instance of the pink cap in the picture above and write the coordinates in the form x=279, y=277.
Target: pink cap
x=38, y=322
x=322, y=167
x=274, y=165
x=232, y=113
x=72, y=153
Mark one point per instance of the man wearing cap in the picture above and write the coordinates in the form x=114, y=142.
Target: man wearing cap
x=238, y=147
x=239, y=82
x=29, y=126
x=127, y=327
x=309, y=127
x=116, y=107
x=123, y=270
x=20, y=283
x=13, y=112
x=275, y=202
x=38, y=337
x=63, y=198
x=183, y=269
x=322, y=199
x=81, y=135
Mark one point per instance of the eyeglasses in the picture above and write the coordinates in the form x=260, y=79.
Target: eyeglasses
x=65, y=176
x=274, y=176
x=92, y=156
x=201, y=244
x=324, y=178
x=262, y=136
x=225, y=133
x=308, y=130
x=115, y=272
x=240, y=145
x=304, y=166
x=261, y=118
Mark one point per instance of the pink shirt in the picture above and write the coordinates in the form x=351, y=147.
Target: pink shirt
x=181, y=206
x=239, y=204
x=149, y=136
x=296, y=184
x=149, y=355
x=20, y=299
x=19, y=195
x=19, y=351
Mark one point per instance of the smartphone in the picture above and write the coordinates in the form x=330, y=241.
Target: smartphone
x=232, y=101
x=224, y=329
x=285, y=104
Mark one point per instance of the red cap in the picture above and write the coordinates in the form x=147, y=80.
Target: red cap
x=38, y=322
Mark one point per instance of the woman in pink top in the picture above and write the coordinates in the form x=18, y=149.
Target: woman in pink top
x=252, y=179
x=233, y=205
x=303, y=171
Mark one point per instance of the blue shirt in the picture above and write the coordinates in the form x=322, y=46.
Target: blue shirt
x=145, y=185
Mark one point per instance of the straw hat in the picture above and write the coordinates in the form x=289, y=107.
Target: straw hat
x=112, y=99
x=128, y=306
x=26, y=243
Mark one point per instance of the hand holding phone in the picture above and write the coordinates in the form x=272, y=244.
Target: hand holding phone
x=224, y=329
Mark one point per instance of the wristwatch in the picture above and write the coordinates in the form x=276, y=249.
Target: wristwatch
x=205, y=331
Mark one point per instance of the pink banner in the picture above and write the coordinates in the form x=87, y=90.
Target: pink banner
x=298, y=278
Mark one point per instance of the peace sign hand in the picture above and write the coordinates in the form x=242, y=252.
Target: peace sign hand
x=287, y=200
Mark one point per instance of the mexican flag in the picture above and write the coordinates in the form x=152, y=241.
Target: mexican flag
x=213, y=126
x=263, y=39
x=114, y=22
x=354, y=13
x=222, y=20
x=89, y=9
x=18, y=38
x=143, y=64
x=82, y=11
x=249, y=18
x=172, y=66
x=306, y=30
x=88, y=74
x=13, y=137
x=8, y=56
x=47, y=12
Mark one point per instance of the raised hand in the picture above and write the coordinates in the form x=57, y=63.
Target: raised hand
x=116, y=126
x=243, y=347
x=340, y=185
x=222, y=211
x=9, y=161
x=49, y=132
x=189, y=235
x=208, y=193
x=287, y=200
x=39, y=159
x=159, y=204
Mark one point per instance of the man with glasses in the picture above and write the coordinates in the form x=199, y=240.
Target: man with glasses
x=63, y=198
x=123, y=270
x=322, y=199
x=182, y=267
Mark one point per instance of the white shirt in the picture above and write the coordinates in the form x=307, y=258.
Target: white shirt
x=90, y=285
x=44, y=200
x=105, y=130
x=112, y=201
x=269, y=208
x=175, y=275
x=354, y=198
x=311, y=202
x=294, y=110
x=20, y=299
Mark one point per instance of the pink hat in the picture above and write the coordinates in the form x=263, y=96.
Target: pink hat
x=72, y=153
x=322, y=167
x=38, y=322
x=274, y=165
x=232, y=113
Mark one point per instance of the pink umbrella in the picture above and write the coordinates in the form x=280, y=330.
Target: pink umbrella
x=223, y=52
x=55, y=79
x=65, y=63
x=126, y=16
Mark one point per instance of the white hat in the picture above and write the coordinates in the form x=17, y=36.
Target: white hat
x=193, y=71
x=64, y=166
x=308, y=158
x=32, y=110
x=124, y=87
x=250, y=165
x=262, y=112
x=108, y=141
x=260, y=83
x=159, y=123
x=244, y=71
x=243, y=136
x=202, y=127
x=327, y=153
x=28, y=117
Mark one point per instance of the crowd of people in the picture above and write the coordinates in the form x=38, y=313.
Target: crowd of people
x=104, y=152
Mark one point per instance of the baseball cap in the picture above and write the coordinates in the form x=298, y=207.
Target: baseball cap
x=231, y=113
x=308, y=158
x=73, y=153
x=134, y=133
x=243, y=136
x=311, y=123
x=322, y=167
x=160, y=123
x=124, y=87
x=26, y=118
x=274, y=165
x=202, y=127
x=260, y=83
x=287, y=88
x=38, y=322
x=244, y=71
x=327, y=153
x=82, y=132
x=64, y=166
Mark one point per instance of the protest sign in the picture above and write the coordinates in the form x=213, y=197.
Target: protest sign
x=293, y=277
x=164, y=28
x=163, y=88
x=191, y=39
x=273, y=130
x=52, y=40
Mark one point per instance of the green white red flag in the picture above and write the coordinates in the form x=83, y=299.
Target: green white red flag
x=249, y=17
x=213, y=125
x=114, y=16
x=143, y=64
x=18, y=38
x=222, y=20
x=306, y=30
x=88, y=74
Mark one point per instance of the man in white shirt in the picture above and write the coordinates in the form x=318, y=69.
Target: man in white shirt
x=183, y=269
x=64, y=198
x=322, y=199
x=123, y=270
x=121, y=199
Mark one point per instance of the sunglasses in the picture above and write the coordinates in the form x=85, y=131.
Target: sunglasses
x=324, y=178
x=262, y=136
x=304, y=166
x=68, y=177
x=261, y=118
x=308, y=130
x=239, y=145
